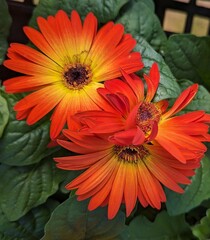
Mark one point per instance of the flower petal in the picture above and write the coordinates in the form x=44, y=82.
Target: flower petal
x=183, y=100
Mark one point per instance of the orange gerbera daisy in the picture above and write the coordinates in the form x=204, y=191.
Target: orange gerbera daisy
x=72, y=62
x=122, y=173
x=135, y=120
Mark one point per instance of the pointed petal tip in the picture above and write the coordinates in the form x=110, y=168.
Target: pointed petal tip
x=111, y=214
x=91, y=207
x=154, y=67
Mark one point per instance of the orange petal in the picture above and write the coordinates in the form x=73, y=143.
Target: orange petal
x=183, y=100
x=59, y=117
x=81, y=161
x=26, y=67
x=86, y=175
x=41, y=43
x=134, y=136
x=130, y=191
x=28, y=83
x=136, y=85
x=32, y=55
x=151, y=186
x=102, y=195
x=51, y=35
x=152, y=82
x=89, y=31
x=167, y=176
x=117, y=86
x=116, y=193
x=98, y=177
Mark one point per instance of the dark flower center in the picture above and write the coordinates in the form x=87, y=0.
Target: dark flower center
x=131, y=154
x=146, y=116
x=77, y=75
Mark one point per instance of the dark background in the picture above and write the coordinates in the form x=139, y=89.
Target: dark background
x=21, y=13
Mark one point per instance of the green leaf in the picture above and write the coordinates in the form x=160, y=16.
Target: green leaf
x=30, y=226
x=202, y=230
x=163, y=228
x=4, y=114
x=22, y=144
x=200, y=101
x=139, y=20
x=4, y=28
x=188, y=57
x=168, y=87
x=194, y=194
x=72, y=220
x=105, y=10
x=150, y=3
x=27, y=187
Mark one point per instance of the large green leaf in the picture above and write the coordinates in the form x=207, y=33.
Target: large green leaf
x=104, y=10
x=72, y=220
x=30, y=226
x=202, y=230
x=188, y=57
x=195, y=193
x=200, y=101
x=4, y=114
x=163, y=228
x=22, y=144
x=168, y=87
x=139, y=20
x=4, y=28
x=23, y=188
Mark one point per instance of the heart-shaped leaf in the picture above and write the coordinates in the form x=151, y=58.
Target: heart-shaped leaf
x=22, y=144
x=30, y=226
x=188, y=57
x=164, y=227
x=72, y=220
x=105, y=10
x=27, y=187
x=139, y=19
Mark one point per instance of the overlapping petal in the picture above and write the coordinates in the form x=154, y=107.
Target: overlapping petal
x=142, y=145
x=182, y=136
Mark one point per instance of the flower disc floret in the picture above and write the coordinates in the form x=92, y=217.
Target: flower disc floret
x=147, y=114
x=131, y=154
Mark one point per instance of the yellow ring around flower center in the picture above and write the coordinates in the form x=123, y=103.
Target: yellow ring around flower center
x=131, y=154
x=77, y=75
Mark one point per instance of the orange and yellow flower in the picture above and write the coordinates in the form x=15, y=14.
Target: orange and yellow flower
x=135, y=147
x=72, y=62
x=135, y=120
x=122, y=174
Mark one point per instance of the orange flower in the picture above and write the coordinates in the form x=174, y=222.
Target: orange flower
x=135, y=120
x=122, y=174
x=72, y=62
x=135, y=147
